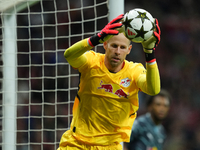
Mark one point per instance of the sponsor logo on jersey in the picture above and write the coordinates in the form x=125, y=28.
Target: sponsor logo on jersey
x=109, y=88
x=106, y=87
x=121, y=93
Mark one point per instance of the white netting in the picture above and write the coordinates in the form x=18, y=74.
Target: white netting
x=46, y=84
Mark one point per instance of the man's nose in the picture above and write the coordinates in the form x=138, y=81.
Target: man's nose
x=117, y=51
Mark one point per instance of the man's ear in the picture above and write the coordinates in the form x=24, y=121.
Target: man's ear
x=105, y=44
x=129, y=48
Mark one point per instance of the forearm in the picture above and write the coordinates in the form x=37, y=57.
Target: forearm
x=74, y=54
x=153, y=79
x=150, y=83
x=77, y=50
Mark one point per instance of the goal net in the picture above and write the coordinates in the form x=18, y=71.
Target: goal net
x=37, y=84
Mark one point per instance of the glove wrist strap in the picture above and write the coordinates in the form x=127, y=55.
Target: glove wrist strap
x=94, y=40
x=150, y=57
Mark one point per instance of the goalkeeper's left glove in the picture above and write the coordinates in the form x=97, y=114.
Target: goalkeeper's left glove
x=150, y=44
x=107, y=32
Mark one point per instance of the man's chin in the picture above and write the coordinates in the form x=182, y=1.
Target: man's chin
x=160, y=118
x=114, y=64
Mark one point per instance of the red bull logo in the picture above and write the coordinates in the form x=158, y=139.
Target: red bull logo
x=106, y=87
x=121, y=93
x=109, y=88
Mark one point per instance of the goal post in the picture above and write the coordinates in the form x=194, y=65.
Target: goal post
x=9, y=81
x=9, y=71
x=38, y=86
x=115, y=8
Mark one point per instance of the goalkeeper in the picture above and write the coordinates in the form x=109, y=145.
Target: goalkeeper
x=107, y=100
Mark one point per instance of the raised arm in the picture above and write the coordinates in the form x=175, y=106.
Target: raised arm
x=74, y=54
x=150, y=83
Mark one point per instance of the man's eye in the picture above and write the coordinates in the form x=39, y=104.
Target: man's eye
x=114, y=46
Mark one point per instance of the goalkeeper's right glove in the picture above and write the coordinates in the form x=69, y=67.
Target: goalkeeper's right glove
x=107, y=32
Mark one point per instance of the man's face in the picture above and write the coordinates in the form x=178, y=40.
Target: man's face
x=159, y=108
x=116, y=50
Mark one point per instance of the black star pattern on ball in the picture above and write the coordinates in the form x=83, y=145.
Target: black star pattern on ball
x=142, y=16
x=153, y=26
x=127, y=22
x=140, y=33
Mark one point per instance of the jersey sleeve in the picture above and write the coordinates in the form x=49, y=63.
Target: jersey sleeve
x=75, y=55
x=149, y=82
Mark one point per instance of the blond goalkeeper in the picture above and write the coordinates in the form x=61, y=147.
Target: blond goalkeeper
x=107, y=100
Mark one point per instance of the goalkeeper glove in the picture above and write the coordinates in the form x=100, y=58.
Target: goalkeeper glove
x=150, y=44
x=107, y=32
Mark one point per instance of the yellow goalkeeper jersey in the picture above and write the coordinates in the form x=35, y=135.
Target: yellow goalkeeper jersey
x=105, y=107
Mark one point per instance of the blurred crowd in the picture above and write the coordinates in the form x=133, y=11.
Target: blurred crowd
x=43, y=74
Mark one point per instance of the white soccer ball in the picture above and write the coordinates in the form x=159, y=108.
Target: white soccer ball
x=138, y=25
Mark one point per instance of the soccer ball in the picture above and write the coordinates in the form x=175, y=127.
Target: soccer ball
x=138, y=25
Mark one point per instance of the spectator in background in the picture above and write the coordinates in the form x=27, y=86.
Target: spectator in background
x=147, y=132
